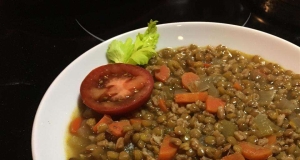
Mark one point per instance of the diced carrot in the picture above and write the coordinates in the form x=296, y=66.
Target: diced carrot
x=162, y=105
x=234, y=156
x=213, y=103
x=206, y=65
x=237, y=86
x=189, y=78
x=105, y=119
x=272, y=139
x=116, y=128
x=260, y=72
x=135, y=120
x=75, y=124
x=163, y=73
x=252, y=151
x=190, y=97
x=167, y=149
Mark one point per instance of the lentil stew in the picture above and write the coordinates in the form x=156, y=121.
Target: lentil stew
x=207, y=103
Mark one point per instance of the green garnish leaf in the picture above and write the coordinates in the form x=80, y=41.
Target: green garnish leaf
x=137, y=53
x=118, y=51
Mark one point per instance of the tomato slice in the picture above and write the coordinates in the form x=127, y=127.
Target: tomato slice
x=116, y=88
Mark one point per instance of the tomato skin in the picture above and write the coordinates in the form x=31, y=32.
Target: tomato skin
x=123, y=106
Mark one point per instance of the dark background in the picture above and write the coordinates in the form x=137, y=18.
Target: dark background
x=39, y=38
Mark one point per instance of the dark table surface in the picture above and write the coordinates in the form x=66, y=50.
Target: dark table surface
x=38, y=39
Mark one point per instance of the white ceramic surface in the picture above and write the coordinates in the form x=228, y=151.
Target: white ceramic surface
x=59, y=102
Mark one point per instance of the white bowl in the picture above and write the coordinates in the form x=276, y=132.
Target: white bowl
x=61, y=99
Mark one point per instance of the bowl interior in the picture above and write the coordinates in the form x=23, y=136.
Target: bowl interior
x=58, y=104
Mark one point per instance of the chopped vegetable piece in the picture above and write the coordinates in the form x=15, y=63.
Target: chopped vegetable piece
x=105, y=119
x=190, y=97
x=272, y=139
x=264, y=126
x=116, y=128
x=227, y=128
x=162, y=105
x=294, y=120
x=75, y=124
x=212, y=104
x=286, y=104
x=188, y=80
x=213, y=91
x=167, y=149
x=254, y=152
x=135, y=120
x=266, y=97
x=202, y=85
x=163, y=73
x=257, y=75
x=234, y=156
x=137, y=53
x=206, y=65
x=237, y=86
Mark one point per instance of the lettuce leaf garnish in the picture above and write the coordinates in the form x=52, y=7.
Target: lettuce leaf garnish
x=137, y=53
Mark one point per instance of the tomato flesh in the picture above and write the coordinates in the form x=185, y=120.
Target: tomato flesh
x=116, y=88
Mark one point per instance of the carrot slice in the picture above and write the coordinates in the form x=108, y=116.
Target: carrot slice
x=213, y=103
x=135, y=120
x=167, y=149
x=117, y=128
x=272, y=139
x=163, y=73
x=105, y=119
x=75, y=125
x=234, y=156
x=252, y=151
x=162, y=105
x=190, y=97
x=237, y=86
x=206, y=65
x=189, y=78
